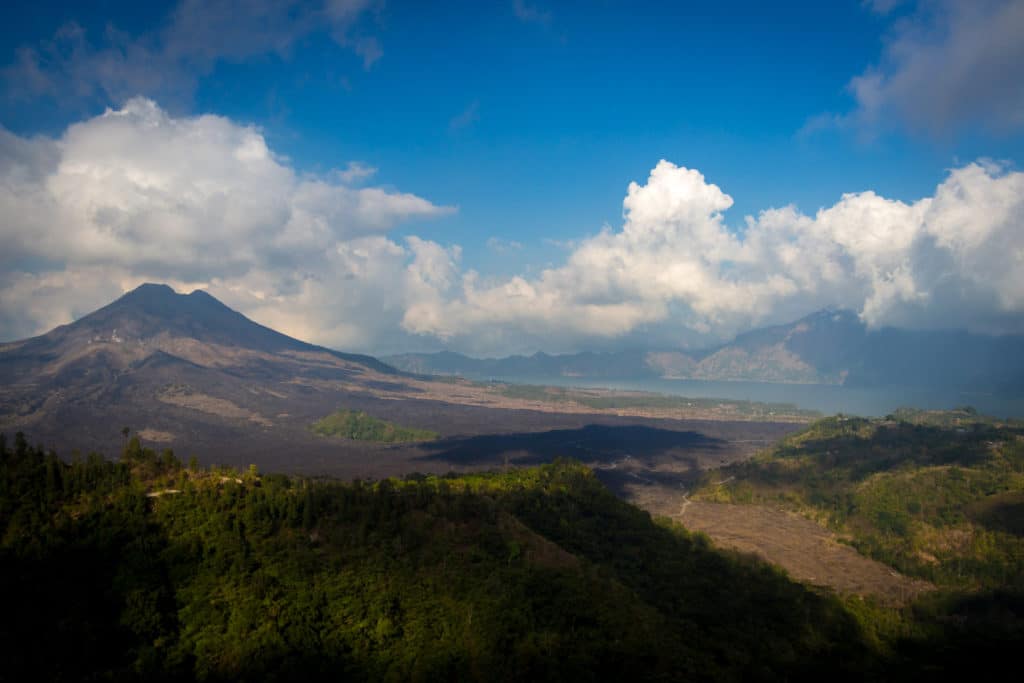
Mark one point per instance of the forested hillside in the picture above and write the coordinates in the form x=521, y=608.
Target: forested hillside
x=146, y=569
x=939, y=496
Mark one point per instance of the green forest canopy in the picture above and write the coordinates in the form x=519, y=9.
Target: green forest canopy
x=144, y=569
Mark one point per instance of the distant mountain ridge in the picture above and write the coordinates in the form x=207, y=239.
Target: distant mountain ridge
x=831, y=346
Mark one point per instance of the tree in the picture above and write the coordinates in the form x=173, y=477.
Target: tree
x=133, y=451
x=168, y=461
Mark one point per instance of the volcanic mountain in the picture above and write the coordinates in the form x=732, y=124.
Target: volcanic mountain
x=172, y=367
x=153, y=323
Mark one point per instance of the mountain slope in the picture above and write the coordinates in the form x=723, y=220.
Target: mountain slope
x=533, y=574
x=173, y=365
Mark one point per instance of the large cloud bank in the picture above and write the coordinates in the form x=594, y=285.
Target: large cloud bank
x=137, y=195
x=951, y=260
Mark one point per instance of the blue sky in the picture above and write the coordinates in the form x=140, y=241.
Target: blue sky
x=533, y=118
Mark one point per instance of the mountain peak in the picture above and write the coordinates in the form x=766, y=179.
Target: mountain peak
x=149, y=291
x=154, y=310
x=153, y=287
x=152, y=300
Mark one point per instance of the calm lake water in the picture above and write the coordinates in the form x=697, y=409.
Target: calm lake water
x=828, y=399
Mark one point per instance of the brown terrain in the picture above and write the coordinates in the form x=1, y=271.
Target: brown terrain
x=808, y=552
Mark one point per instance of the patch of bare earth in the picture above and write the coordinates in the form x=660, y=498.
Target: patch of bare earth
x=212, y=405
x=808, y=552
x=155, y=435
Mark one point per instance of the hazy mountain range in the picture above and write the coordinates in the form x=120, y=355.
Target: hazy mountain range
x=827, y=347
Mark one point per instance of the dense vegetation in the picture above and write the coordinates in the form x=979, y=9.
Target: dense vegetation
x=963, y=416
x=351, y=424
x=937, y=496
x=145, y=569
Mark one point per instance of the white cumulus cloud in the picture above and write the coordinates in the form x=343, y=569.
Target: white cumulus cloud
x=139, y=195
x=950, y=260
x=136, y=194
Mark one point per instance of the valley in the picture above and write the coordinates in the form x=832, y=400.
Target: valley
x=772, y=489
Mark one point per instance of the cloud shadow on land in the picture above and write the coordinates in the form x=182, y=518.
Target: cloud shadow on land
x=591, y=444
